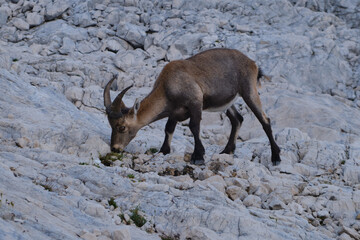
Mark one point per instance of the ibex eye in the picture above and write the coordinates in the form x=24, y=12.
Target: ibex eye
x=121, y=128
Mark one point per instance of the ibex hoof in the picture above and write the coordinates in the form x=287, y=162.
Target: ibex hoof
x=275, y=160
x=165, y=150
x=197, y=162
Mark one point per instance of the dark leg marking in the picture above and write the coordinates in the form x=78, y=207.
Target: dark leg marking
x=253, y=101
x=195, y=117
x=236, y=120
x=169, y=131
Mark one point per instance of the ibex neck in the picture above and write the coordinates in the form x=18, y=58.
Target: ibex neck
x=152, y=107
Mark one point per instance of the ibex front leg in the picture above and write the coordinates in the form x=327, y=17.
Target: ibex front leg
x=194, y=125
x=169, y=131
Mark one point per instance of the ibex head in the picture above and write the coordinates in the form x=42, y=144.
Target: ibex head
x=121, y=118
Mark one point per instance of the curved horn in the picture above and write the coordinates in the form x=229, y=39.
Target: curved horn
x=107, y=99
x=118, y=104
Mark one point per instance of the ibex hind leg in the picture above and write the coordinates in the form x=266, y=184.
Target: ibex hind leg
x=252, y=99
x=236, y=120
x=197, y=157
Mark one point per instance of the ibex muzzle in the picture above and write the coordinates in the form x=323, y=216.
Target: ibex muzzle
x=211, y=80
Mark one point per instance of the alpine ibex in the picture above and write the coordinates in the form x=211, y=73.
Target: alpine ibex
x=211, y=80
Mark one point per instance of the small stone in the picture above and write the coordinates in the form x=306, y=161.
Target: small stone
x=68, y=46
x=74, y=94
x=22, y=142
x=34, y=19
x=252, y=201
x=351, y=232
x=132, y=33
x=88, y=236
x=275, y=204
x=121, y=234
x=156, y=52
x=323, y=214
x=4, y=15
x=358, y=217
x=126, y=217
x=55, y=9
x=345, y=236
x=20, y=24
x=235, y=192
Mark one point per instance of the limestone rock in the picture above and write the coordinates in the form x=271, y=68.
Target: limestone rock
x=4, y=15
x=132, y=33
x=20, y=24
x=55, y=9
x=34, y=19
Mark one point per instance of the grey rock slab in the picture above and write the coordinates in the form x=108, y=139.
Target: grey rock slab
x=38, y=102
x=59, y=28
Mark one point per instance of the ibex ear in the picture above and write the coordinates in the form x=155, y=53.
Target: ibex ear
x=136, y=105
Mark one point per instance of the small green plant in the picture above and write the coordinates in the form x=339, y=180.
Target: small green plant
x=96, y=165
x=112, y=202
x=137, y=218
x=152, y=151
x=343, y=162
x=274, y=218
x=111, y=157
x=11, y=203
x=122, y=217
x=130, y=176
x=83, y=163
x=15, y=60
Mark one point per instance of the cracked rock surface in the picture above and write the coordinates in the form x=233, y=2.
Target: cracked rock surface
x=57, y=180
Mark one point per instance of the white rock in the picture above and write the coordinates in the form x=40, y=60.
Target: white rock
x=235, y=192
x=4, y=15
x=20, y=24
x=132, y=33
x=34, y=19
x=252, y=201
x=121, y=234
x=68, y=46
x=323, y=214
x=128, y=59
x=352, y=174
x=214, y=181
x=55, y=9
x=74, y=94
x=156, y=52
x=84, y=20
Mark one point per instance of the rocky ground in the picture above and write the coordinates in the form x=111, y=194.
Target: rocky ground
x=56, y=181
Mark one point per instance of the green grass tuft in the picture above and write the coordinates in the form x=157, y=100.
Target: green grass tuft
x=137, y=218
x=111, y=157
x=112, y=202
x=152, y=151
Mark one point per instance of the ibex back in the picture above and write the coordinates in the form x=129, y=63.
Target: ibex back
x=211, y=80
